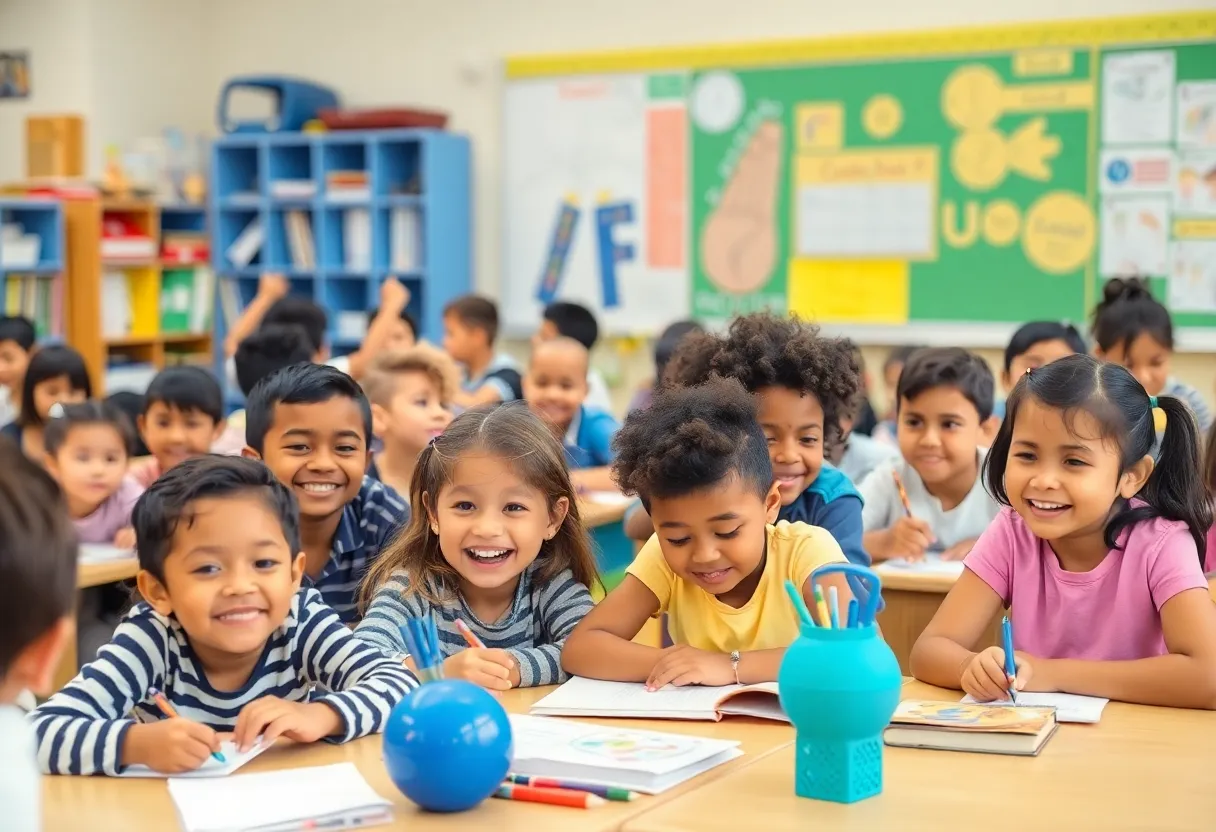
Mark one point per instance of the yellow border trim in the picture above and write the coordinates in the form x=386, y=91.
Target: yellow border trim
x=1179, y=26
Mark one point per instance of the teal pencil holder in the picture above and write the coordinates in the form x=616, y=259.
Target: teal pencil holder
x=840, y=688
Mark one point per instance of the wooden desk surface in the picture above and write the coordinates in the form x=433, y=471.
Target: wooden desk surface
x=95, y=574
x=1140, y=768
x=905, y=579
x=108, y=804
x=600, y=514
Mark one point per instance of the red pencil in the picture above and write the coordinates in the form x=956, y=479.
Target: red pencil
x=553, y=797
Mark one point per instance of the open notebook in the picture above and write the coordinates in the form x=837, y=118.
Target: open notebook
x=323, y=797
x=592, y=697
x=931, y=564
x=1070, y=707
x=642, y=761
x=233, y=760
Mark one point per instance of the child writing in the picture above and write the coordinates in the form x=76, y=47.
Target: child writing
x=1098, y=551
x=699, y=461
x=224, y=632
x=555, y=388
x=494, y=540
x=933, y=499
x=38, y=562
x=55, y=374
x=183, y=415
x=1133, y=328
x=410, y=393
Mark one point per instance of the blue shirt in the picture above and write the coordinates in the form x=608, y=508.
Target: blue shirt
x=588, y=440
x=831, y=502
x=367, y=524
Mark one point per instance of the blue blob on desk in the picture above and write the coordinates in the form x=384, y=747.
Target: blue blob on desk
x=447, y=745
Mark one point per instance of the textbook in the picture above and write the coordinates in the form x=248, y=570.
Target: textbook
x=963, y=726
x=642, y=761
x=593, y=697
x=321, y=797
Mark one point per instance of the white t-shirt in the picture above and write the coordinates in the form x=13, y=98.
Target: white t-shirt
x=8, y=410
x=20, y=789
x=882, y=505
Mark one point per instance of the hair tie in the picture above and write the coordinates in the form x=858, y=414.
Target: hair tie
x=1028, y=369
x=1152, y=402
x=55, y=411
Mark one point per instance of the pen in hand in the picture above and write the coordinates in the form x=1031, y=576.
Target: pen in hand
x=1011, y=670
x=166, y=708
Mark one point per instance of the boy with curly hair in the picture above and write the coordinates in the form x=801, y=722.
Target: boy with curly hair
x=698, y=460
x=805, y=386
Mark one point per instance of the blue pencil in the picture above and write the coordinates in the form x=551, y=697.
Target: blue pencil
x=852, y=614
x=1010, y=667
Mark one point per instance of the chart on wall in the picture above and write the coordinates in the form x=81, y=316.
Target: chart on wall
x=596, y=199
x=992, y=176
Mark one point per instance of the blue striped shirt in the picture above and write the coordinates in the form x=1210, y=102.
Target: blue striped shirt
x=368, y=522
x=533, y=630
x=82, y=728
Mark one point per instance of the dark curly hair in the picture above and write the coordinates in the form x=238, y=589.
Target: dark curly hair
x=691, y=362
x=764, y=350
x=690, y=439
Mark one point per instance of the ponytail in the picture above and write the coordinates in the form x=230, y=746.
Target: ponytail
x=1175, y=488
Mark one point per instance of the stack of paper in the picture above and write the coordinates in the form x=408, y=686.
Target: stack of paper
x=323, y=797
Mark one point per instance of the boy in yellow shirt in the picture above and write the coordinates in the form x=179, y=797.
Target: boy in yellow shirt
x=716, y=565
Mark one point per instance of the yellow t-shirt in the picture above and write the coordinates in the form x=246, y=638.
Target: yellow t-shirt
x=766, y=621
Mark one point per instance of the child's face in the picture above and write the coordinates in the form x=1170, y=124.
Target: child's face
x=91, y=463
x=715, y=538
x=52, y=391
x=1145, y=358
x=229, y=576
x=460, y=340
x=174, y=435
x=320, y=451
x=556, y=385
x=13, y=361
x=939, y=432
x=491, y=523
x=1063, y=482
x=1039, y=355
x=415, y=415
x=793, y=426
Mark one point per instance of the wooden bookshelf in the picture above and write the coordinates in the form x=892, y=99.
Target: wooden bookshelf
x=120, y=318
x=31, y=263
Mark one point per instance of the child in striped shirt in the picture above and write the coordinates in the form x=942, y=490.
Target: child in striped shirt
x=494, y=539
x=224, y=632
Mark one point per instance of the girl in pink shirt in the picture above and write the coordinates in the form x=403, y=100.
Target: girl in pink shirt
x=1098, y=553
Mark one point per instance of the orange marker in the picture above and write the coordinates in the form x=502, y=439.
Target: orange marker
x=166, y=708
x=470, y=637
x=903, y=495
x=553, y=797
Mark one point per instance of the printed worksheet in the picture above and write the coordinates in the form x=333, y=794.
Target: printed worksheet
x=1196, y=113
x=1138, y=97
x=1135, y=236
x=1192, y=279
x=1195, y=185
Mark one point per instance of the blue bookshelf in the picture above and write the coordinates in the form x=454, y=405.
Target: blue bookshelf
x=338, y=213
x=32, y=263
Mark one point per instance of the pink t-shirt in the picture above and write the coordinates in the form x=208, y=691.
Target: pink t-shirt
x=1111, y=613
x=111, y=516
x=1210, y=551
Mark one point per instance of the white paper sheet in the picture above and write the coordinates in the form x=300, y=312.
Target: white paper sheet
x=1138, y=97
x=233, y=760
x=1192, y=279
x=1135, y=236
x=1196, y=113
x=1195, y=184
x=1070, y=707
x=930, y=565
x=101, y=553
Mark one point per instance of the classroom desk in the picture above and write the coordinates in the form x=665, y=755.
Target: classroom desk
x=911, y=600
x=105, y=804
x=1139, y=769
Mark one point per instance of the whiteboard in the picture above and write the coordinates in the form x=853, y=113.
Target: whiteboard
x=595, y=203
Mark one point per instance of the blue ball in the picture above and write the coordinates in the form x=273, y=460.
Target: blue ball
x=447, y=745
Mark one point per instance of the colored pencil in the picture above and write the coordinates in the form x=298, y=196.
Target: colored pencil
x=470, y=637
x=852, y=613
x=166, y=708
x=1011, y=668
x=607, y=792
x=804, y=615
x=553, y=797
x=821, y=606
x=834, y=607
x=903, y=494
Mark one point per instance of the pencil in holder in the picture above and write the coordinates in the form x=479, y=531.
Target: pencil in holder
x=840, y=688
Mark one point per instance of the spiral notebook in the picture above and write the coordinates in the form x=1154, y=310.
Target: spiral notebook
x=594, y=697
x=322, y=797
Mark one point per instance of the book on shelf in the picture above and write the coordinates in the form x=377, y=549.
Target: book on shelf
x=357, y=238
x=18, y=250
x=184, y=247
x=247, y=244
x=348, y=186
x=961, y=726
x=116, y=313
x=299, y=240
x=185, y=300
x=122, y=239
x=35, y=298
x=230, y=301
x=405, y=230
x=293, y=188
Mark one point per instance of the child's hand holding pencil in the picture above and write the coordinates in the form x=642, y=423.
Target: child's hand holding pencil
x=491, y=668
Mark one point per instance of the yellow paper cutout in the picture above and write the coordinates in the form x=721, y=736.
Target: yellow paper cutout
x=954, y=236
x=849, y=291
x=1039, y=98
x=820, y=125
x=882, y=116
x=971, y=97
x=852, y=167
x=1195, y=229
x=1002, y=222
x=978, y=159
x=1059, y=233
x=1030, y=63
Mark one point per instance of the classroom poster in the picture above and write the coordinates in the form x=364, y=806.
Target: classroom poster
x=1138, y=97
x=1192, y=280
x=1135, y=236
x=1195, y=184
x=1196, y=110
